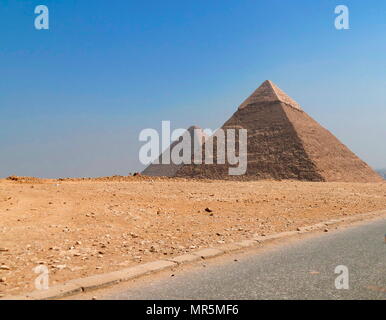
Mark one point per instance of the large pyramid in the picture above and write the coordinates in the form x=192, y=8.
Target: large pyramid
x=169, y=170
x=284, y=142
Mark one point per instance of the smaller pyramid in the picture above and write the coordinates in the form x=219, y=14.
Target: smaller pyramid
x=197, y=136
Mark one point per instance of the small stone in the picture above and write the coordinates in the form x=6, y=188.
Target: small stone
x=60, y=266
x=4, y=250
x=208, y=210
x=4, y=267
x=326, y=230
x=3, y=279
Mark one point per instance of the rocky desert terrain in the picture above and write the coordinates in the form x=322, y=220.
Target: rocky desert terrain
x=80, y=227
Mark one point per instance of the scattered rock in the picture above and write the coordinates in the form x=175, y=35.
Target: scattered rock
x=4, y=267
x=208, y=210
x=153, y=249
x=60, y=266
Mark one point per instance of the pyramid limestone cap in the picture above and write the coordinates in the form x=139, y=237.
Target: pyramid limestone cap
x=194, y=127
x=198, y=131
x=269, y=92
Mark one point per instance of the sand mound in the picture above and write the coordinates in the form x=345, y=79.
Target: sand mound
x=25, y=179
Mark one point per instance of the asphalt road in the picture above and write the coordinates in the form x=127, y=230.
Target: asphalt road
x=301, y=269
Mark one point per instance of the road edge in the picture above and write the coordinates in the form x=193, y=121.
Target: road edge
x=77, y=286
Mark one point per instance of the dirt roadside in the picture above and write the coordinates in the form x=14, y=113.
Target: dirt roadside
x=105, y=293
x=81, y=227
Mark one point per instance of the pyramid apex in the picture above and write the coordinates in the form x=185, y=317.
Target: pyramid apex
x=193, y=127
x=269, y=92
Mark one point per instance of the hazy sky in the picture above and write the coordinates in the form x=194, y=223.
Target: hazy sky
x=74, y=98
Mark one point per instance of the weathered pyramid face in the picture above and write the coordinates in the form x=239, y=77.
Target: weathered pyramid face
x=196, y=136
x=285, y=143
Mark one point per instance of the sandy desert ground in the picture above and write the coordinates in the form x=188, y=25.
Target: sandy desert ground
x=80, y=227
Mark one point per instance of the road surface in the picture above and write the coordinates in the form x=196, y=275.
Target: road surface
x=301, y=269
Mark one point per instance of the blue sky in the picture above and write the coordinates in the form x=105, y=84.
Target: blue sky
x=74, y=98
